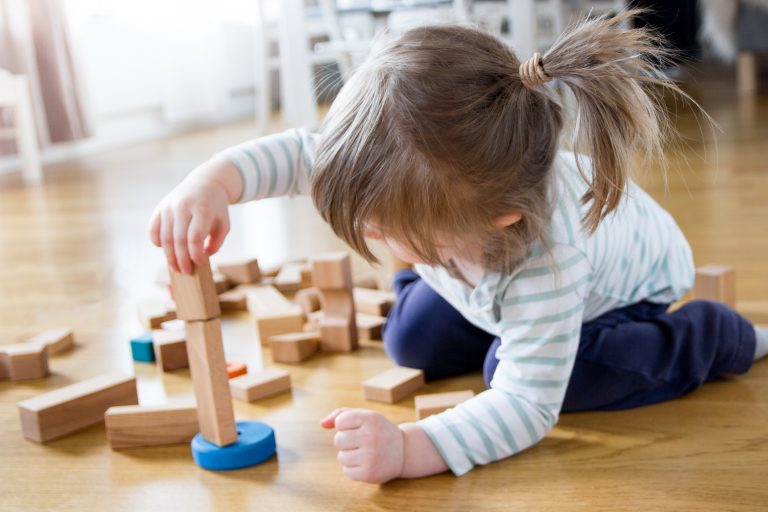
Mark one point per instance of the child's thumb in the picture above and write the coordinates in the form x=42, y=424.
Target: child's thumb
x=330, y=420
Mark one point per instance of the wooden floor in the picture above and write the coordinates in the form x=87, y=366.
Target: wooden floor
x=75, y=253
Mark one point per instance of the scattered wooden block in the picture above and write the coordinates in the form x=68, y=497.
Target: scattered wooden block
x=235, y=299
x=427, y=405
x=55, y=340
x=153, y=312
x=716, y=282
x=373, y=302
x=24, y=361
x=274, y=313
x=171, y=350
x=308, y=300
x=338, y=335
x=195, y=293
x=222, y=282
x=242, y=272
x=134, y=426
x=173, y=325
x=313, y=321
x=332, y=271
x=72, y=408
x=293, y=347
x=293, y=277
x=143, y=348
x=393, y=385
x=369, y=327
x=209, y=376
x=236, y=369
x=369, y=282
x=255, y=386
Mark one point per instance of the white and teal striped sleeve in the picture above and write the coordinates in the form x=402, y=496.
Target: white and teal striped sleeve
x=539, y=321
x=274, y=165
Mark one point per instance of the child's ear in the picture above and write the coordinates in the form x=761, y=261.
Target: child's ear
x=506, y=220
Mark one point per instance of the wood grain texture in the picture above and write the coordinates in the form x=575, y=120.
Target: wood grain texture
x=195, y=294
x=138, y=426
x=75, y=253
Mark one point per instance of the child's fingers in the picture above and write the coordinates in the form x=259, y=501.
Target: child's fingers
x=218, y=233
x=330, y=420
x=180, y=229
x=198, y=230
x=346, y=440
x=166, y=237
x=350, y=419
x=154, y=229
x=350, y=458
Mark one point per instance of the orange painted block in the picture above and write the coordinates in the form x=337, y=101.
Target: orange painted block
x=55, y=340
x=717, y=283
x=153, y=312
x=427, y=405
x=75, y=407
x=170, y=349
x=294, y=347
x=195, y=293
x=236, y=369
x=373, y=302
x=134, y=426
x=241, y=272
x=393, y=385
x=332, y=271
x=369, y=327
x=263, y=384
x=308, y=300
x=24, y=361
x=274, y=314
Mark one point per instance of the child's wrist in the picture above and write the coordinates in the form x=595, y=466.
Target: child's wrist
x=220, y=173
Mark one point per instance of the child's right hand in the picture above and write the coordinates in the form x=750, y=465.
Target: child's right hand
x=191, y=222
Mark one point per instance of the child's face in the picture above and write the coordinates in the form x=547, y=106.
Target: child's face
x=403, y=253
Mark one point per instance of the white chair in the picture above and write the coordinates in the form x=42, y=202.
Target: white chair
x=15, y=94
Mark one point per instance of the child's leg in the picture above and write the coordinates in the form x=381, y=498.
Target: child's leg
x=424, y=331
x=641, y=355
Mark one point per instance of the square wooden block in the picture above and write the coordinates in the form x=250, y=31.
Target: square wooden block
x=293, y=347
x=716, y=282
x=263, y=384
x=195, y=294
x=332, y=271
x=338, y=335
x=170, y=350
x=369, y=327
x=373, y=302
x=24, y=361
x=427, y=405
x=241, y=272
x=393, y=385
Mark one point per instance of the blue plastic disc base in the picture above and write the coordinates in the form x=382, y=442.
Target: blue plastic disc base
x=255, y=444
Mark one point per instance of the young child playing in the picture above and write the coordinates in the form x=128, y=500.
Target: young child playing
x=549, y=270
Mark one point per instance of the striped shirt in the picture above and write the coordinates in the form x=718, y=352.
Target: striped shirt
x=637, y=253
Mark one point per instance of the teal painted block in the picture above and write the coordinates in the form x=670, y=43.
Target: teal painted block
x=142, y=348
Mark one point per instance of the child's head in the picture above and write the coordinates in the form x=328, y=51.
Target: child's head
x=438, y=142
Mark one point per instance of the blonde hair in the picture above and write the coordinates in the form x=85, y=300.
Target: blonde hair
x=436, y=135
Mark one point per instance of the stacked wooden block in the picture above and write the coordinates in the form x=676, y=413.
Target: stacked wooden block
x=332, y=276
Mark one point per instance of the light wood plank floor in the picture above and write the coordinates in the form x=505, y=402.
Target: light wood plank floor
x=75, y=252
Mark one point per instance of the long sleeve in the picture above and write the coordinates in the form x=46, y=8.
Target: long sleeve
x=538, y=317
x=274, y=165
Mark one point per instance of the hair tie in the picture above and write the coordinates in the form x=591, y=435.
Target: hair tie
x=532, y=72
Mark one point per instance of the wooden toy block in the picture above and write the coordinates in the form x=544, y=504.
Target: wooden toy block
x=293, y=277
x=373, y=302
x=338, y=335
x=369, y=282
x=308, y=300
x=369, y=327
x=393, y=385
x=242, y=272
x=313, y=321
x=337, y=304
x=171, y=350
x=24, y=361
x=294, y=347
x=143, y=348
x=235, y=299
x=3, y=366
x=173, y=325
x=55, y=340
x=75, y=407
x=236, y=369
x=332, y=271
x=222, y=282
x=427, y=405
x=209, y=376
x=153, y=312
x=195, y=293
x=274, y=313
x=716, y=282
x=255, y=386
x=134, y=426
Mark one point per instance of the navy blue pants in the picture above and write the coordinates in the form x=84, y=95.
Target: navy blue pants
x=632, y=356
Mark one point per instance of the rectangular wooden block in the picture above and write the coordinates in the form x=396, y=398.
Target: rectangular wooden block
x=338, y=335
x=235, y=299
x=308, y=300
x=208, y=367
x=241, y=272
x=274, y=313
x=716, y=282
x=294, y=347
x=75, y=407
x=195, y=293
x=55, y=340
x=24, y=361
x=170, y=349
x=255, y=386
x=153, y=312
x=373, y=302
x=393, y=385
x=369, y=327
x=293, y=277
x=427, y=405
x=134, y=426
x=332, y=271
x=222, y=282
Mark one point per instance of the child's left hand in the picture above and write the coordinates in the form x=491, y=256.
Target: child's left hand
x=371, y=448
